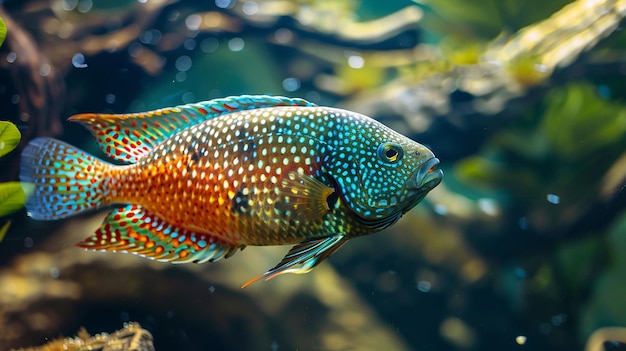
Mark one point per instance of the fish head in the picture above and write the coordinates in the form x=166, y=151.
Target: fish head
x=383, y=174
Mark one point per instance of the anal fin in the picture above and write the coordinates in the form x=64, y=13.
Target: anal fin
x=134, y=230
x=303, y=257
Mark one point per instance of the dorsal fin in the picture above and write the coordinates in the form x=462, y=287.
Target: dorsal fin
x=128, y=137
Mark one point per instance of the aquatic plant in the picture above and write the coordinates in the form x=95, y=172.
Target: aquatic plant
x=12, y=196
x=3, y=31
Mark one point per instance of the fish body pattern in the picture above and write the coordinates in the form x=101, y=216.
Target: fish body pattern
x=204, y=180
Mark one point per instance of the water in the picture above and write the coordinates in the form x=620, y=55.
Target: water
x=522, y=246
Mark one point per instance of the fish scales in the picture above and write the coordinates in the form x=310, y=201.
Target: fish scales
x=208, y=178
x=229, y=186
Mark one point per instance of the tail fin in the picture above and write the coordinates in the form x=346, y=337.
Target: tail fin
x=66, y=180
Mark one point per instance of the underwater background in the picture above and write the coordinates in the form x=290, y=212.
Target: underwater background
x=522, y=246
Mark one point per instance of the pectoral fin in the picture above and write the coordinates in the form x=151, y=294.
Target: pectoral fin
x=303, y=257
x=307, y=195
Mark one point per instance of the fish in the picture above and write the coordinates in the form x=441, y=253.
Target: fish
x=199, y=182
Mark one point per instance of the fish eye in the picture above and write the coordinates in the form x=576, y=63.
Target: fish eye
x=390, y=152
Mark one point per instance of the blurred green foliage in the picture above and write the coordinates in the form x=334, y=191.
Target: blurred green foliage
x=572, y=141
x=4, y=229
x=12, y=195
x=578, y=260
x=485, y=19
x=578, y=122
x=3, y=31
x=9, y=137
x=607, y=304
x=224, y=72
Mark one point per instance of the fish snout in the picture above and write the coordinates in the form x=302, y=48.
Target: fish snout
x=427, y=176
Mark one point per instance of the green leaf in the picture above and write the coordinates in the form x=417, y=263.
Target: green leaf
x=9, y=137
x=4, y=229
x=13, y=196
x=3, y=31
x=579, y=122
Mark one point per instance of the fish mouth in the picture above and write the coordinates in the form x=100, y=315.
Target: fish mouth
x=427, y=176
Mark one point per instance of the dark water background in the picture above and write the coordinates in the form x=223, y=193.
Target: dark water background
x=523, y=245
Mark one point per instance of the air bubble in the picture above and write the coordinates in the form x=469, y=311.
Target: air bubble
x=85, y=6
x=209, y=45
x=173, y=16
x=523, y=223
x=250, y=8
x=69, y=5
x=291, y=84
x=11, y=56
x=54, y=272
x=190, y=44
x=424, y=286
x=440, y=209
x=78, y=61
x=110, y=98
x=188, y=97
x=135, y=49
x=553, y=199
x=236, y=44
x=223, y=4
x=183, y=63
x=45, y=69
x=488, y=206
x=283, y=35
x=151, y=37
x=356, y=61
x=313, y=96
x=193, y=22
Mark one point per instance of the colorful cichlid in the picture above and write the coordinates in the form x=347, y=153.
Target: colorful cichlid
x=206, y=179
